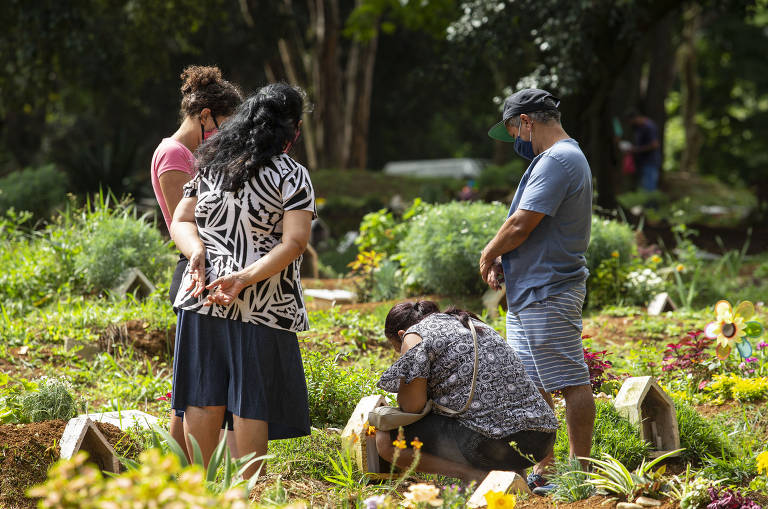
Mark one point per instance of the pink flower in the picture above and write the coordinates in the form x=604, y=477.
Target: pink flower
x=751, y=359
x=742, y=365
x=702, y=384
x=762, y=345
x=167, y=397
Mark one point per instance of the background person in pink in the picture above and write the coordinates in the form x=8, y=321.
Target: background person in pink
x=207, y=100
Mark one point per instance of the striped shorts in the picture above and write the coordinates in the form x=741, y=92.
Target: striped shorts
x=546, y=336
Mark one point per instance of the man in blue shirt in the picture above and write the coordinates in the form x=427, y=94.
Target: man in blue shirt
x=539, y=255
x=646, y=150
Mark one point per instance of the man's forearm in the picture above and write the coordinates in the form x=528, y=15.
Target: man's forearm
x=510, y=236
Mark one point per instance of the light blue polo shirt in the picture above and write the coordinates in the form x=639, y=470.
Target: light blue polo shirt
x=557, y=183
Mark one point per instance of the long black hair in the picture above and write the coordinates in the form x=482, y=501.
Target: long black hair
x=261, y=128
x=406, y=314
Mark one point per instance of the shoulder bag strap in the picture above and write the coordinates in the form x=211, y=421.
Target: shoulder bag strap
x=474, y=379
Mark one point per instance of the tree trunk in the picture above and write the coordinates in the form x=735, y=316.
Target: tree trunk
x=690, y=89
x=662, y=70
x=359, y=89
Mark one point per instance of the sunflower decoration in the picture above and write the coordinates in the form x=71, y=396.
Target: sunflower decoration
x=734, y=327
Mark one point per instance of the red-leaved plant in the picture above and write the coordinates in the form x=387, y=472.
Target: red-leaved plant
x=598, y=366
x=688, y=355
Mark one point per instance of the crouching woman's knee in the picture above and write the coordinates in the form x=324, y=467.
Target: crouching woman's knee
x=384, y=445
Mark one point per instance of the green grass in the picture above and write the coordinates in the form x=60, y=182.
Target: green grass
x=613, y=435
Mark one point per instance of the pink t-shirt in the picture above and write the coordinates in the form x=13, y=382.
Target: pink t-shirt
x=170, y=155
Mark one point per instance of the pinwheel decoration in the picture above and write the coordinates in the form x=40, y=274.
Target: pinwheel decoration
x=734, y=327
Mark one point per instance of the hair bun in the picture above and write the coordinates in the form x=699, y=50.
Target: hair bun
x=196, y=77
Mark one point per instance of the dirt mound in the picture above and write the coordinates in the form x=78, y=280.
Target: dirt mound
x=28, y=450
x=138, y=335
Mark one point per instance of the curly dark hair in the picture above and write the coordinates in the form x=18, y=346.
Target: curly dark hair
x=203, y=87
x=260, y=129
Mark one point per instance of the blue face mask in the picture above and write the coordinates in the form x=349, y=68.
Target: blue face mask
x=524, y=148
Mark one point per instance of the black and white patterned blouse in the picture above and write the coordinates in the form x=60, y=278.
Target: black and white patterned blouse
x=238, y=228
x=505, y=399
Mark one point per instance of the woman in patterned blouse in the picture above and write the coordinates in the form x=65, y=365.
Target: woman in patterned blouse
x=437, y=363
x=243, y=224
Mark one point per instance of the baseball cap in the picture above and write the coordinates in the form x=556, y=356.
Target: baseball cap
x=522, y=101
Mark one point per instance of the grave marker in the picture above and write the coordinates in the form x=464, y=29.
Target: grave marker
x=500, y=481
x=644, y=403
x=81, y=434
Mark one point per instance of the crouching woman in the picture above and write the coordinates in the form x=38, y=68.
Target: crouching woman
x=507, y=425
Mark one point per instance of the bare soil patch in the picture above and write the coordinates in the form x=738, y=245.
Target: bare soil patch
x=28, y=450
x=139, y=335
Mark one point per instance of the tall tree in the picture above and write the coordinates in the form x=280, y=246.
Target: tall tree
x=329, y=48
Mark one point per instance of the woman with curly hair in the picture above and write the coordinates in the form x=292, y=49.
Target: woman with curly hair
x=207, y=100
x=244, y=223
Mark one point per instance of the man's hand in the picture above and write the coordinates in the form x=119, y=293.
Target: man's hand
x=491, y=271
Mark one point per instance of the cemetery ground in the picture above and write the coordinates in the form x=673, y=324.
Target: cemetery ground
x=128, y=367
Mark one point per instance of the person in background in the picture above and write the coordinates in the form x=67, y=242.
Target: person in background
x=646, y=150
x=243, y=223
x=437, y=362
x=207, y=100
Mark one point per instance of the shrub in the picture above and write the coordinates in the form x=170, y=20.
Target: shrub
x=51, y=400
x=114, y=239
x=607, y=237
x=698, y=436
x=335, y=390
x=38, y=190
x=613, y=435
x=441, y=251
x=382, y=231
x=81, y=250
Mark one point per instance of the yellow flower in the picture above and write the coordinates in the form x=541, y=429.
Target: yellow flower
x=762, y=462
x=680, y=267
x=354, y=437
x=416, y=443
x=615, y=254
x=422, y=493
x=371, y=430
x=656, y=259
x=498, y=500
x=400, y=444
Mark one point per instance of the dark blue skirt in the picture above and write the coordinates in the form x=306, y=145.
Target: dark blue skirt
x=253, y=370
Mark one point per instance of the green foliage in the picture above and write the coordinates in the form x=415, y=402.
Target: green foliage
x=117, y=239
x=608, y=237
x=733, y=387
x=83, y=249
x=158, y=480
x=382, y=232
x=335, y=390
x=386, y=281
x=223, y=472
x=613, y=435
x=610, y=476
x=38, y=190
x=440, y=253
x=570, y=482
x=698, y=436
x=51, y=399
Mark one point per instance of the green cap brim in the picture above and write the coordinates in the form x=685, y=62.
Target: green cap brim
x=499, y=132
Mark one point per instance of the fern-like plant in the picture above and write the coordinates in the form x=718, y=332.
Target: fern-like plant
x=612, y=477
